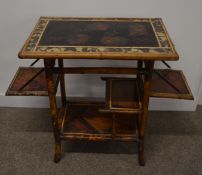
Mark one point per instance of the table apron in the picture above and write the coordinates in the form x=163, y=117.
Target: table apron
x=97, y=70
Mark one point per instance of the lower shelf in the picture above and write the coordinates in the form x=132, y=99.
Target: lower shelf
x=85, y=122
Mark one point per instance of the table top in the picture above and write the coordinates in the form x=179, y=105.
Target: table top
x=99, y=38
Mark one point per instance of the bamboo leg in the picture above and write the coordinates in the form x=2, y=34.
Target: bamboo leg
x=49, y=65
x=113, y=125
x=139, y=76
x=143, y=121
x=139, y=67
x=62, y=83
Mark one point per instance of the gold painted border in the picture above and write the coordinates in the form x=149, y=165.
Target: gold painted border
x=157, y=37
x=168, y=37
x=42, y=32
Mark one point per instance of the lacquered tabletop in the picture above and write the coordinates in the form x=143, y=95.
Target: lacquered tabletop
x=99, y=38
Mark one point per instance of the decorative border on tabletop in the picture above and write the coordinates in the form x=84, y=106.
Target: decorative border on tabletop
x=165, y=44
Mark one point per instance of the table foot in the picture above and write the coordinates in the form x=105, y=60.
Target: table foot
x=56, y=159
x=141, y=162
x=141, y=153
x=57, y=156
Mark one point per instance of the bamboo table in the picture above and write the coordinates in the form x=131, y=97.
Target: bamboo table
x=144, y=40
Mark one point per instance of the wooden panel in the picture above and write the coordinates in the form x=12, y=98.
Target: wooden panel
x=85, y=101
x=37, y=87
x=99, y=33
x=98, y=70
x=123, y=95
x=174, y=85
x=99, y=38
x=159, y=88
x=87, y=123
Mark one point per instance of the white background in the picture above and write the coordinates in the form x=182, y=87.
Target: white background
x=181, y=17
